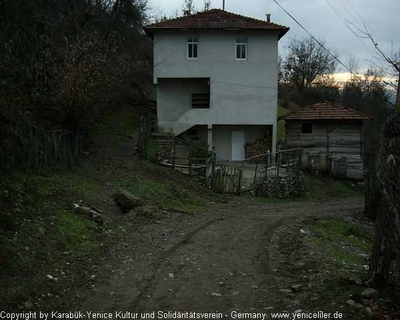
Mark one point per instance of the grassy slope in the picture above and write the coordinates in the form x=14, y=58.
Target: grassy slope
x=39, y=228
x=345, y=246
x=282, y=111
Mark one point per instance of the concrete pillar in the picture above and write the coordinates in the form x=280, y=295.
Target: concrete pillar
x=209, y=137
x=274, y=135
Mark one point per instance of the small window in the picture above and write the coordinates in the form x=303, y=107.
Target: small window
x=192, y=48
x=241, y=49
x=200, y=100
x=306, y=128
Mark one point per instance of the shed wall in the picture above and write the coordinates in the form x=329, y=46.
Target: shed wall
x=330, y=138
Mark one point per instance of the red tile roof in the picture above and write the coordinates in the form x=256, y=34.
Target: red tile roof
x=326, y=111
x=215, y=19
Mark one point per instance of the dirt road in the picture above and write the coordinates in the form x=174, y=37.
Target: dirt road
x=219, y=260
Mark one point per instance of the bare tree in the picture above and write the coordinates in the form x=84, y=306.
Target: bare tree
x=305, y=62
x=188, y=7
x=393, y=61
x=384, y=188
x=207, y=5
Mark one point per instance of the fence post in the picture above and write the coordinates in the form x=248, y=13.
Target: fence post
x=173, y=154
x=277, y=163
x=190, y=162
x=255, y=172
x=213, y=161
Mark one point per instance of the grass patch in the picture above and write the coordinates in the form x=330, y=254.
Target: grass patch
x=281, y=132
x=342, y=245
x=80, y=182
x=315, y=186
x=164, y=196
x=116, y=127
x=320, y=187
x=346, y=189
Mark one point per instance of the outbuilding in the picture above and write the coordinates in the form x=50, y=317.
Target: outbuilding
x=331, y=137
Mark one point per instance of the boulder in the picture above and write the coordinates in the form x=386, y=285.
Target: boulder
x=369, y=293
x=354, y=304
x=126, y=201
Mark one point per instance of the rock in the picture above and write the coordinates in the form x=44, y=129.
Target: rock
x=369, y=293
x=28, y=305
x=91, y=213
x=369, y=312
x=96, y=217
x=305, y=231
x=150, y=212
x=171, y=275
x=286, y=291
x=354, y=304
x=216, y=294
x=297, y=288
x=126, y=201
x=282, y=187
x=50, y=277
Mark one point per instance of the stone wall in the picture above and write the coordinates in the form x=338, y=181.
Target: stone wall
x=282, y=187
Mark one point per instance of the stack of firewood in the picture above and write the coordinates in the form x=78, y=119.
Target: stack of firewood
x=260, y=146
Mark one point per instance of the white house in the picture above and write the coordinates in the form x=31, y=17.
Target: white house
x=216, y=74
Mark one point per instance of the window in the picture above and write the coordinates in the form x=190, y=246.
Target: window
x=306, y=128
x=200, y=100
x=241, y=49
x=192, y=48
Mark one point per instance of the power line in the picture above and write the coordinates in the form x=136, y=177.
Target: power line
x=317, y=41
x=244, y=85
x=367, y=30
x=348, y=27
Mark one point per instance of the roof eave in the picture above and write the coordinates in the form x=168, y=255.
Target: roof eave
x=150, y=30
x=282, y=33
x=330, y=119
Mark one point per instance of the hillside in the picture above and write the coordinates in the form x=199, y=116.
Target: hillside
x=50, y=252
x=41, y=231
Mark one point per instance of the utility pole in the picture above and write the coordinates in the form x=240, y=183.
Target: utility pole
x=223, y=5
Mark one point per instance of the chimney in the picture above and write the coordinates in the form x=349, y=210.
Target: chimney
x=268, y=17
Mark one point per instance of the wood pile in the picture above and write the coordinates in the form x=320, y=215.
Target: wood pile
x=260, y=146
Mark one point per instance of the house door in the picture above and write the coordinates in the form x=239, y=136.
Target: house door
x=238, y=142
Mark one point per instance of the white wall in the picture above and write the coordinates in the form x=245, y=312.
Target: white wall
x=241, y=92
x=222, y=138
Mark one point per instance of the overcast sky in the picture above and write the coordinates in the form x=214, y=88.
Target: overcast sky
x=382, y=17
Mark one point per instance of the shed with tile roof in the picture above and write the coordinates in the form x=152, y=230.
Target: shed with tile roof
x=331, y=137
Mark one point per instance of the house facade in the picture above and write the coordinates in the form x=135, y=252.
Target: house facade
x=216, y=75
x=331, y=137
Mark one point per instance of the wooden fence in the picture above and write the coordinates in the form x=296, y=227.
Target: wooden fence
x=42, y=150
x=178, y=154
x=228, y=179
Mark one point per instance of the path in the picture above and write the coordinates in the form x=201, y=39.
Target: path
x=219, y=262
